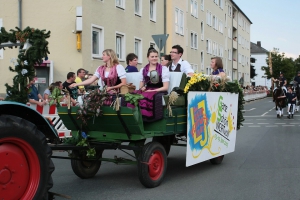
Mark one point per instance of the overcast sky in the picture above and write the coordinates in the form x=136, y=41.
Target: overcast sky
x=275, y=23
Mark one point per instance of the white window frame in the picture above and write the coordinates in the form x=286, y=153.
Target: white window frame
x=152, y=18
x=139, y=53
x=100, y=31
x=120, y=4
x=202, y=5
x=220, y=26
x=194, y=40
x=139, y=12
x=122, y=48
x=221, y=4
x=194, y=8
x=208, y=46
x=202, y=30
x=229, y=11
x=230, y=54
x=179, y=21
x=202, y=60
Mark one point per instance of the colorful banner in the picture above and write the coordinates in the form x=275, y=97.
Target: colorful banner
x=211, y=125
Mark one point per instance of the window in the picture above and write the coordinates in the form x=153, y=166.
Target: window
x=221, y=4
x=208, y=46
x=229, y=11
x=202, y=5
x=221, y=51
x=202, y=31
x=97, y=41
x=152, y=10
x=207, y=70
x=229, y=33
x=194, y=8
x=209, y=18
x=214, y=21
x=229, y=54
x=120, y=46
x=202, y=61
x=138, y=7
x=220, y=26
x=120, y=4
x=194, y=40
x=179, y=21
x=138, y=48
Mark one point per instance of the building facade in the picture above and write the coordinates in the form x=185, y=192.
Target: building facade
x=81, y=30
x=259, y=55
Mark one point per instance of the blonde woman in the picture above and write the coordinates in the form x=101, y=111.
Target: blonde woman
x=112, y=74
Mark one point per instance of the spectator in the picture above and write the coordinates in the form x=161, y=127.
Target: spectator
x=73, y=91
x=132, y=61
x=34, y=96
x=79, y=79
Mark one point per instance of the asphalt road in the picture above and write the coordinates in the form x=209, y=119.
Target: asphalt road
x=265, y=165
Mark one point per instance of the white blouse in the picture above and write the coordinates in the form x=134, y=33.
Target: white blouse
x=120, y=71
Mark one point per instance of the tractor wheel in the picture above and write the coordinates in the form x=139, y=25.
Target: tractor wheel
x=152, y=164
x=217, y=160
x=85, y=169
x=166, y=141
x=25, y=160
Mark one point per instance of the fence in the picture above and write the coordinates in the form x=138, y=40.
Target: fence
x=253, y=95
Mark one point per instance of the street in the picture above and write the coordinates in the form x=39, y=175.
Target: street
x=265, y=165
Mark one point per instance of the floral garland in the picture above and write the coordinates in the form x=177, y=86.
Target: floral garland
x=211, y=83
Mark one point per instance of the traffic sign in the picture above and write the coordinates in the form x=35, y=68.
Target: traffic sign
x=160, y=40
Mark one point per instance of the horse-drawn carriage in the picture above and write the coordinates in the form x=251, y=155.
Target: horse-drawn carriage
x=206, y=121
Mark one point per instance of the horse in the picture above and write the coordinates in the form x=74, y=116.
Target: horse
x=279, y=100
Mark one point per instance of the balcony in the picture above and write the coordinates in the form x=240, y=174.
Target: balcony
x=234, y=23
x=234, y=44
x=234, y=64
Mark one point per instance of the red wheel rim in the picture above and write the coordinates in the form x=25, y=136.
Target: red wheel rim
x=20, y=171
x=156, y=165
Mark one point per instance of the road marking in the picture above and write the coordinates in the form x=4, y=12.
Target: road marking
x=247, y=123
x=264, y=114
x=261, y=119
x=253, y=126
x=249, y=109
x=279, y=123
x=288, y=125
x=294, y=123
x=262, y=123
x=272, y=126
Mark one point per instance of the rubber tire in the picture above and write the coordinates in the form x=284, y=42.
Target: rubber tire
x=217, y=160
x=85, y=169
x=143, y=167
x=13, y=130
x=166, y=141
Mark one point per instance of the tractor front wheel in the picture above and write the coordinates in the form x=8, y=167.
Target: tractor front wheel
x=25, y=160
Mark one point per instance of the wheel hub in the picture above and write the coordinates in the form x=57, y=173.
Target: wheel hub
x=14, y=171
x=156, y=165
x=5, y=176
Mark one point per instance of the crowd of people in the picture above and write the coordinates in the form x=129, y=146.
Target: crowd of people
x=113, y=75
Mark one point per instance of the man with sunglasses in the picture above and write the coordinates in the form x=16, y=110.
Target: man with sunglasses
x=179, y=65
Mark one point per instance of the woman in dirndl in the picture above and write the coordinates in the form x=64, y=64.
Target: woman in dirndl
x=154, y=78
x=111, y=74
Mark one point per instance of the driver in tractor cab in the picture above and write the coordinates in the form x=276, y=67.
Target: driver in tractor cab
x=282, y=83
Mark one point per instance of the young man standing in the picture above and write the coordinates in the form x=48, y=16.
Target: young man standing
x=79, y=78
x=74, y=90
x=179, y=65
x=132, y=61
x=291, y=96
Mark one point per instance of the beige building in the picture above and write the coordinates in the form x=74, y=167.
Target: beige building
x=207, y=28
x=81, y=30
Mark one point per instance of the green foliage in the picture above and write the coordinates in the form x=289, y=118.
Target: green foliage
x=280, y=63
x=133, y=98
x=55, y=97
x=92, y=104
x=24, y=65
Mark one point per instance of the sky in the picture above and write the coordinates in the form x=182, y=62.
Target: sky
x=275, y=23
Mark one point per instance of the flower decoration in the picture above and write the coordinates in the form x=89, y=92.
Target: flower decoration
x=24, y=71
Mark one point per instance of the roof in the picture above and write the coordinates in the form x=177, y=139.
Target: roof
x=241, y=11
x=257, y=49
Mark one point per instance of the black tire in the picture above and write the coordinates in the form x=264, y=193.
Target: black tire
x=217, y=160
x=25, y=160
x=85, y=169
x=152, y=164
x=166, y=141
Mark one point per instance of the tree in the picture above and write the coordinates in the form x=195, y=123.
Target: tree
x=280, y=63
x=37, y=49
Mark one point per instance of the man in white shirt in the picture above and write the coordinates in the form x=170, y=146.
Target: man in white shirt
x=179, y=65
